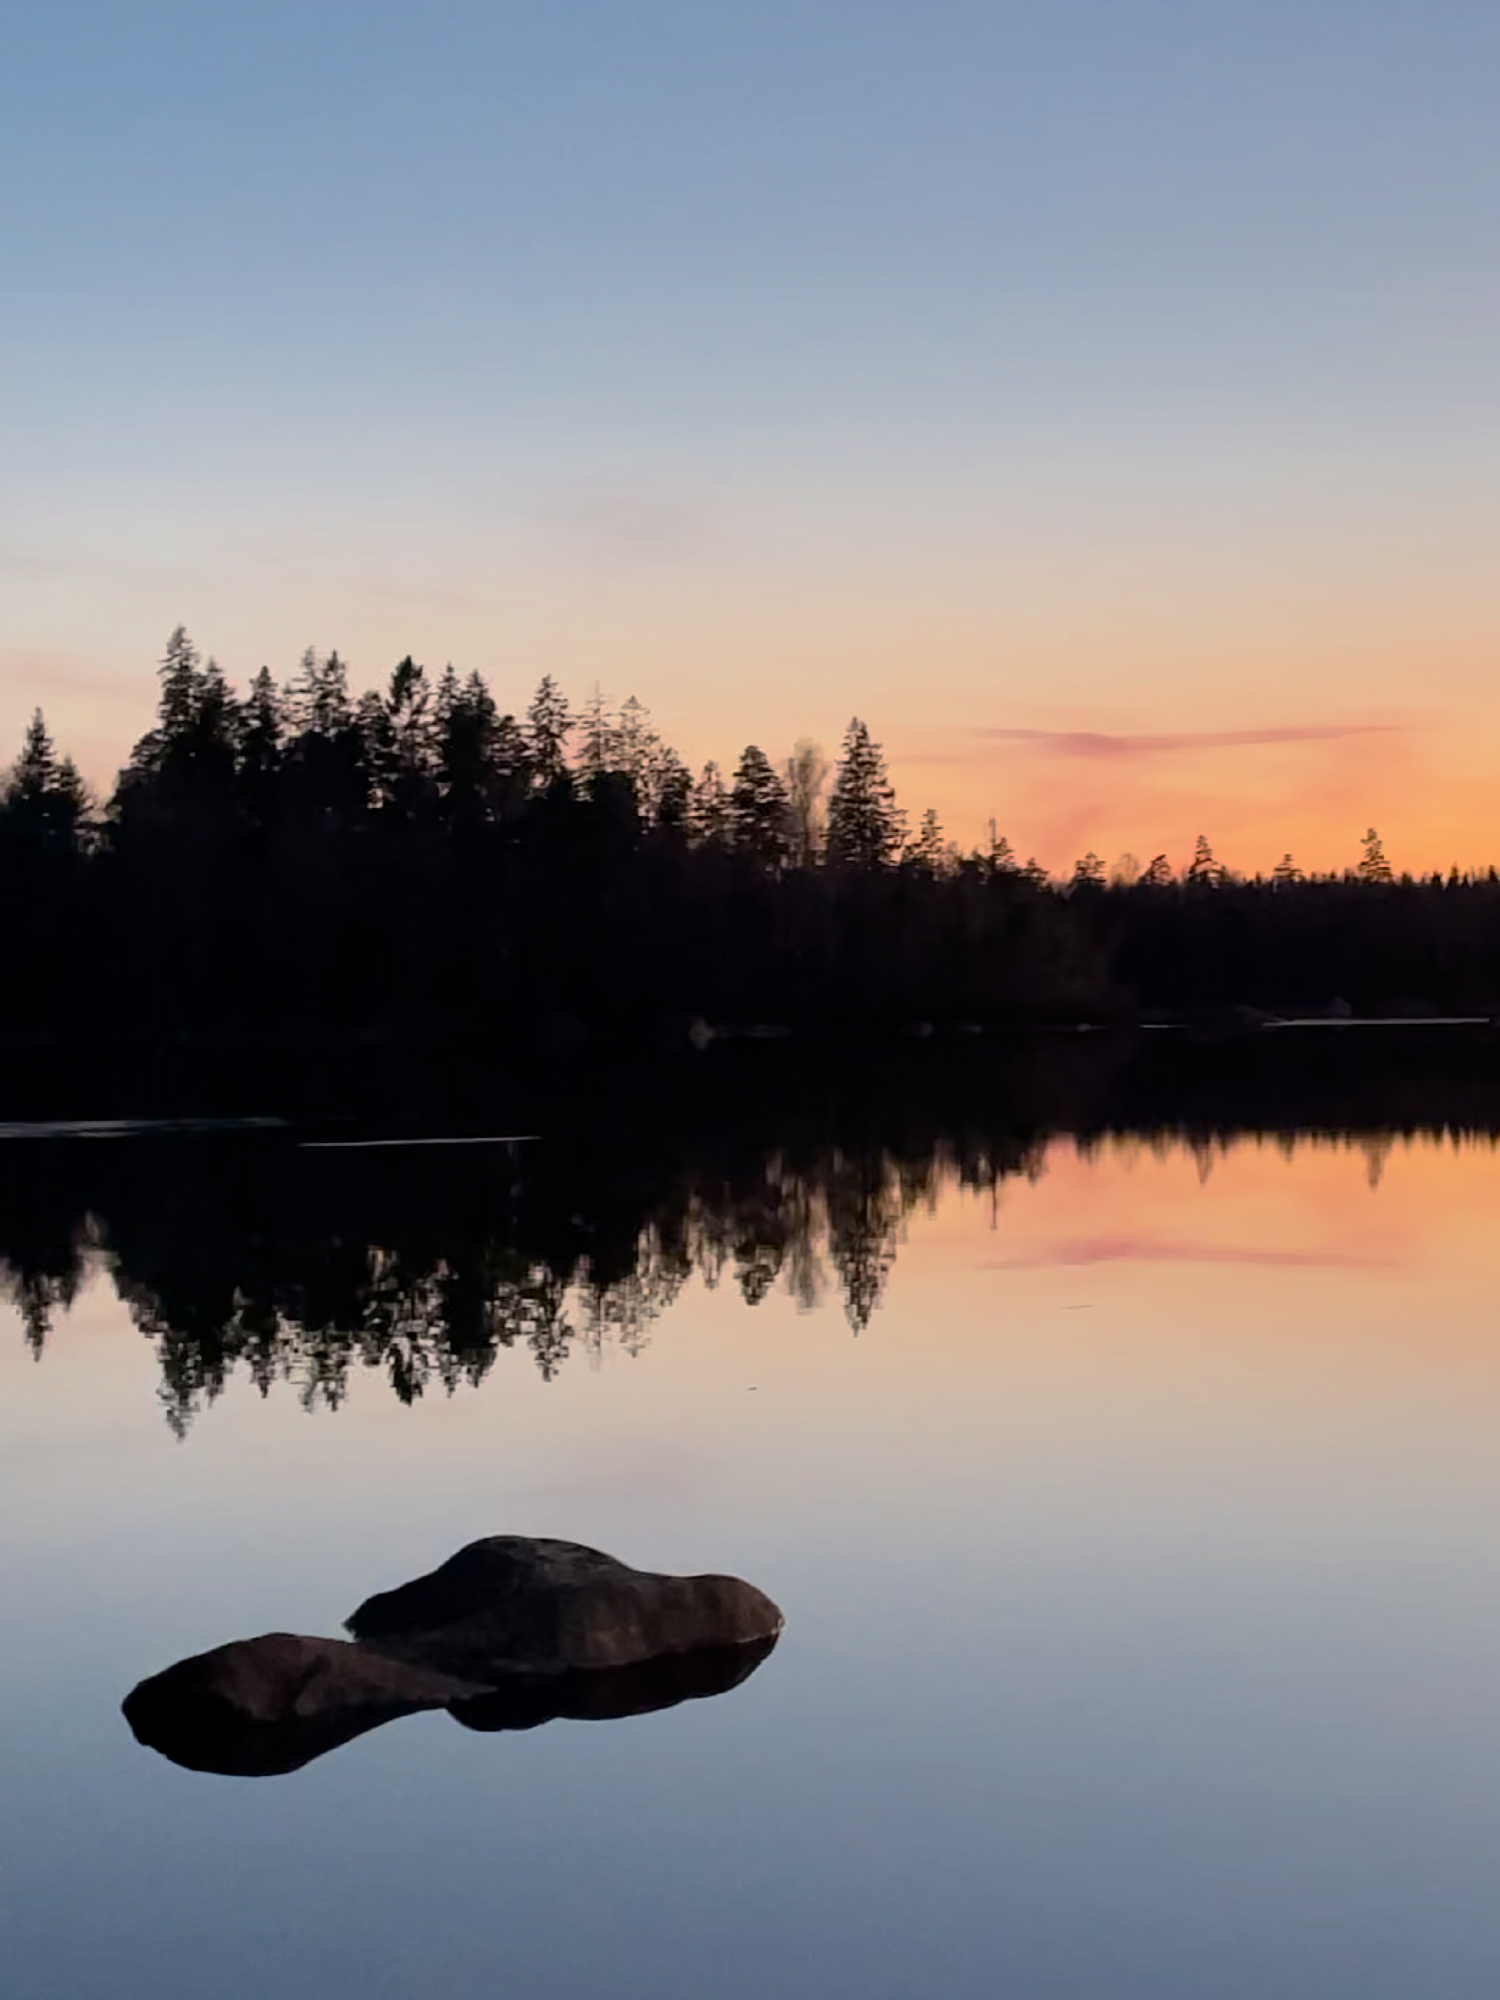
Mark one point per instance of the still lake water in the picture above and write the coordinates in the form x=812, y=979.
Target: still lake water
x=1138, y=1536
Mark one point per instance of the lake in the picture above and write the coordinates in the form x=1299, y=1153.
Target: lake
x=1131, y=1493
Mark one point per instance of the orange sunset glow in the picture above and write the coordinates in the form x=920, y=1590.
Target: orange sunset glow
x=750, y=1048
x=1141, y=499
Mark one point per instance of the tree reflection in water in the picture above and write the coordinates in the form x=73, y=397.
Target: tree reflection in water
x=296, y=1269
x=301, y=1264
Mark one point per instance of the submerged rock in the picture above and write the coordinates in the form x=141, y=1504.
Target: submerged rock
x=257, y=1707
x=513, y=1605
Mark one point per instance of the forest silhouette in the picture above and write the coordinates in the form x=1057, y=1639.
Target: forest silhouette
x=766, y=1168
x=299, y=871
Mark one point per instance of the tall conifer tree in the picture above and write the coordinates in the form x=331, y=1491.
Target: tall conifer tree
x=865, y=825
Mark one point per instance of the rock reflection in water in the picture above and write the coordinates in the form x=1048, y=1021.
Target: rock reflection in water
x=525, y=1613
x=602, y=1694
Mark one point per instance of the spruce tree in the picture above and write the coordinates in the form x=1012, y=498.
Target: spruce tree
x=1088, y=872
x=595, y=732
x=180, y=674
x=403, y=749
x=547, y=726
x=637, y=747
x=674, y=795
x=759, y=815
x=319, y=696
x=928, y=853
x=260, y=729
x=708, y=813
x=261, y=723
x=35, y=771
x=1373, y=866
x=1204, y=872
x=43, y=802
x=865, y=825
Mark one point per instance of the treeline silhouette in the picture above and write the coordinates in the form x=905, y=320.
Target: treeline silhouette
x=762, y=1168
x=299, y=868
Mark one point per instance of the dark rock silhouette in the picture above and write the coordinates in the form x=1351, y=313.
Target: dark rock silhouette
x=510, y=1604
x=258, y=1707
x=551, y=1629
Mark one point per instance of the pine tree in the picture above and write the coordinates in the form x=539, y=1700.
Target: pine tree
x=1286, y=871
x=759, y=815
x=409, y=699
x=259, y=731
x=261, y=722
x=708, y=816
x=1204, y=871
x=1157, y=873
x=547, y=726
x=638, y=750
x=180, y=673
x=478, y=756
x=865, y=825
x=34, y=772
x=213, y=746
x=1001, y=856
x=509, y=759
x=444, y=696
x=595, y=731
x=401, y=739
x=43, y=802
x=928, y=853
x=319, y=697
x=191, y=753
x=1088, y=872
x=1373, y=866
x=674, y=795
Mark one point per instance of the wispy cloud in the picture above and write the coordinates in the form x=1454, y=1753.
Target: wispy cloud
x=1256, y=791
x=23, y=563
x=436, y=596
x=49, y=675
x=627, y=522
x=1094, y=743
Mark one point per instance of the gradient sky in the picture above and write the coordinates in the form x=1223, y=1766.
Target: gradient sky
x=1101, y=400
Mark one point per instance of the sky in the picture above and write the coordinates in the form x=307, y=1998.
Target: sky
x=1101, y=401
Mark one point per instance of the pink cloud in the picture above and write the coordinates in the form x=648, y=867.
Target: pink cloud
x=1146, y=1250
x=1098, y=743
x=1312, y=788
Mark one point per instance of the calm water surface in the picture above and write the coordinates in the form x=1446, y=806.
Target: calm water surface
x=1138, y=1535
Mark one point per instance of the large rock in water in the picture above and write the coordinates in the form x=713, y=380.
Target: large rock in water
x=511, y=1605
x=258, y=1707
x=508, y=1634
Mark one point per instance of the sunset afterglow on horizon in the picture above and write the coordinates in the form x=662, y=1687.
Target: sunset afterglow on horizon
x=1102, y=403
